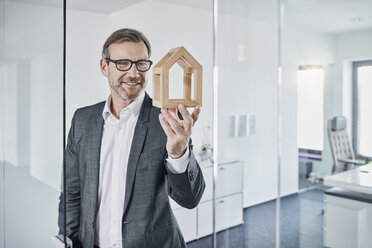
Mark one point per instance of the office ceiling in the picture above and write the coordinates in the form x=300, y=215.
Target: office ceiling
x=329, y=16
x=326, y=16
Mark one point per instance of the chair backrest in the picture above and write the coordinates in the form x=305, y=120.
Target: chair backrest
x=340, y=144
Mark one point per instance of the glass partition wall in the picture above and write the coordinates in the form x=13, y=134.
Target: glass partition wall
x=246, y=166
x=241, y=209
x=167, y=25
x=31, y=121
x=274, y=73
x=319, y=43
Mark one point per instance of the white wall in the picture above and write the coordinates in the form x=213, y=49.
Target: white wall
x=302, y=47
x=85, y=35
x=249, y=86
x=10, y=71
x=46, y=123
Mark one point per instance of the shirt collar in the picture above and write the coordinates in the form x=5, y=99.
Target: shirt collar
x=134, y=107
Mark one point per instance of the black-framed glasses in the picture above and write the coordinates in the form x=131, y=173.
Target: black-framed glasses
x=142, y=65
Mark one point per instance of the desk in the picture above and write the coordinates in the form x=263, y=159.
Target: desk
x=348, y=209
x=358, y=179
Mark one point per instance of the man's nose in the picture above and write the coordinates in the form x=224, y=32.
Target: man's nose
x=133, y=72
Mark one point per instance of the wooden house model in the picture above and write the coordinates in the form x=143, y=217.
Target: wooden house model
x=190, y=67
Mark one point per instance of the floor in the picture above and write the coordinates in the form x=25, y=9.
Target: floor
x=301, y=224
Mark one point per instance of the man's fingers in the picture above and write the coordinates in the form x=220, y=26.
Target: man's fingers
x=173, y=113
x=187, y=119
x=166, y=127
x=174, y=124
x=195, y=114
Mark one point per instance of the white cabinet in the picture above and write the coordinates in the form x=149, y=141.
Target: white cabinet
x=229, y=202
x=205, y=218
x=229, y=179
x=186, y=219
x=347, y=222
x=229, y=213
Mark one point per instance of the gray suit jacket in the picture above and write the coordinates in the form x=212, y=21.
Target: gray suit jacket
x=148, y=220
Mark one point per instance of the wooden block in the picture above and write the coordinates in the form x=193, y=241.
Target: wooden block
x=164, y=87
x=183, y=63
x=156, y=82
x=187, y=86
x=188, y=70
x=190, y=67
x=157, y=70
x=198, y=87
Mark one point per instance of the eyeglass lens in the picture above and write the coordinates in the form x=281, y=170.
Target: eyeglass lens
x=142, y=65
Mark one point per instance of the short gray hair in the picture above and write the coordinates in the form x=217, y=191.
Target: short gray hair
x=125, y=34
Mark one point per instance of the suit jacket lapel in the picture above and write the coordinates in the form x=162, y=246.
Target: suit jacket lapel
x=95, y=125
x=139, y=137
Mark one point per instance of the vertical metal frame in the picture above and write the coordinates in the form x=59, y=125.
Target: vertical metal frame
x=2, y=106
x=64, y=123
x=280, y=17
x=215, y=117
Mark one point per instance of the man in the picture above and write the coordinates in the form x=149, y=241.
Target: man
x=125, y=156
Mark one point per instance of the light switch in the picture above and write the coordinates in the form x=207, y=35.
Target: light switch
x=251, y=123
x=243, y=125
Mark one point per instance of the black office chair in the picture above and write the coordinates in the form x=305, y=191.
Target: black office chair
x=342, y=150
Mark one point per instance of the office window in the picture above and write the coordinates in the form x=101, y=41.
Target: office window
x=310, y=93
x=362, y=111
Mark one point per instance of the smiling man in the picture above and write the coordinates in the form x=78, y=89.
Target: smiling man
x=125, y=156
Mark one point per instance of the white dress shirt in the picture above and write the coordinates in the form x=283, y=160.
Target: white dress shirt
x=117, y=138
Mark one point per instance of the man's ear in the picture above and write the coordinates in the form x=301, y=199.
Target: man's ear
x=104, y=67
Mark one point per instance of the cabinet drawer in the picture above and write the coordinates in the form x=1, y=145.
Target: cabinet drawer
x=229, y=213
x=205, y=218
x=229, y=180
x=186, y=219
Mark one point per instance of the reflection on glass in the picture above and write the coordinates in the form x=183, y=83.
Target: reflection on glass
x=247, y=110
x=31, y=104
x=333, y=34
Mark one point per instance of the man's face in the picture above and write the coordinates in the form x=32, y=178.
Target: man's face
x=127, y=84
